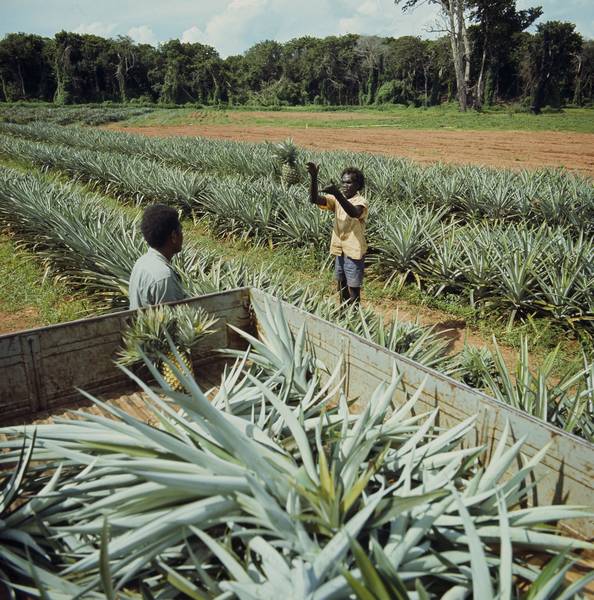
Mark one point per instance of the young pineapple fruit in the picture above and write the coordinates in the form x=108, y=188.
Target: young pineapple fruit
x=168, y=374
x=153, y=329
x=286, y=153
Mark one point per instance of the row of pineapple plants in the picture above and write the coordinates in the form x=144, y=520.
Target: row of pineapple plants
x=95, y=246
x=25, y=113
x=516, y=269
x=555, y=197
x=270, y=485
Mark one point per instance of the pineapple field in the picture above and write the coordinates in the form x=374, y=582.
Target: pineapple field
x=515, y=245
x=319, y=500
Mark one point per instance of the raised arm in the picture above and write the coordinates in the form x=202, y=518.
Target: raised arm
x=314, y=197
x=351, y=210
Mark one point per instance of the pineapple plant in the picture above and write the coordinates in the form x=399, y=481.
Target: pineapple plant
x=156, y=331
x=270, y=484
x=286, y=154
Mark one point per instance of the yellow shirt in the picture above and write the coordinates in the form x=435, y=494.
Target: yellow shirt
x=348, y=235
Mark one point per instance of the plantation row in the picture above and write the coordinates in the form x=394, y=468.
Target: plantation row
x=95, y=247
x=67, y=115
x=269, y=486
x=471, y=193
x=515, y=269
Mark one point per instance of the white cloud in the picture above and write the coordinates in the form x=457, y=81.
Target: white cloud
x=228, y=30
x=349, y=25
x=97, y=28
x=381, y=17
x=143, y=34
x=192, y=35
x=369, y=8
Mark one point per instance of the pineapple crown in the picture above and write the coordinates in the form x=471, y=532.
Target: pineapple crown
x=149, y=332
x=285, y=152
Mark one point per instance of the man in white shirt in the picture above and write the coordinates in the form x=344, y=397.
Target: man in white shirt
x=153, y=279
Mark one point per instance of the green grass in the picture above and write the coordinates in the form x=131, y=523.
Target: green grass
x=445, y=117
x=26, y=298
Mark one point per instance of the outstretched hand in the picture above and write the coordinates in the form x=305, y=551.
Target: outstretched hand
x=332, y=189
x=312, y=169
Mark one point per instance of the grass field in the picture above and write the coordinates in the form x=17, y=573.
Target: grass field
x=579, y=120
x=26, y=299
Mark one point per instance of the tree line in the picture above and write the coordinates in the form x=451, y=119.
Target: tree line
x=495, y=61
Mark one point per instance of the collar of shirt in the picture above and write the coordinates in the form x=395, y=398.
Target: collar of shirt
x=160, y=257
x=154, y=252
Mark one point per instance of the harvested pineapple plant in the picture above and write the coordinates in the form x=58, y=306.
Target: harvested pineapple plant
x=271, y=485
x=165, y=335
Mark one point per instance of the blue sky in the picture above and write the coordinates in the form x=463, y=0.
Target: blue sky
x=232, y=26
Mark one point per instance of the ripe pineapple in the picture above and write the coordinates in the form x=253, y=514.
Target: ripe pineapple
x=166, y=371
x=156, y=329
x=286, y=153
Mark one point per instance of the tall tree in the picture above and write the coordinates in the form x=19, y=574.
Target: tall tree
x=372, y=51
x=126, y=53
x=550, y=57
x=263, y=64
x=186, y=72
x=455, y=22
x=408, y=64
x=498, y=24
x=584, y=81
x=24, y=69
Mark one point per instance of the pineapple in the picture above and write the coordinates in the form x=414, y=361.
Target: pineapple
x=157, y=329
x=286, y=153
x=168, y=374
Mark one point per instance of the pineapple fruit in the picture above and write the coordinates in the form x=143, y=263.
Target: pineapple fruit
x=156, y=329
x=168, y=374
x=286, y=153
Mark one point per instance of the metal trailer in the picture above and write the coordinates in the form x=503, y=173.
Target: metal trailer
x=40, y=370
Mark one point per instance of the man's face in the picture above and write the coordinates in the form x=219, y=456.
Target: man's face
x=348, y=185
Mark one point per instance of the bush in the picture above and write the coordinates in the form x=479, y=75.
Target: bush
x=396, y=92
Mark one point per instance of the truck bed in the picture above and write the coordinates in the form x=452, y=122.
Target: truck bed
x=42, y=371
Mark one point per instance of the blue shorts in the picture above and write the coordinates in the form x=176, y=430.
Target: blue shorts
x=350, y=269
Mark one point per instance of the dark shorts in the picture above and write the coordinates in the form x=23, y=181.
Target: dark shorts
x=350, y=269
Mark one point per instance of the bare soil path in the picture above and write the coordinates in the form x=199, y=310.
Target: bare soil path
x=507, y=149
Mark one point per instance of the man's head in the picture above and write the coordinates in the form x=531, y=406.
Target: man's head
x=352, y=181
x=161, y=229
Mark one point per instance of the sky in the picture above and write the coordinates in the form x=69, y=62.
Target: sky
x=232, y=26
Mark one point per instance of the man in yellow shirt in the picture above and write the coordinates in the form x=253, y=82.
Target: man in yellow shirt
x=348, y=242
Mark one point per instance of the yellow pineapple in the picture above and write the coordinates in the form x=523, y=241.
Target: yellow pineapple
x=168, y=374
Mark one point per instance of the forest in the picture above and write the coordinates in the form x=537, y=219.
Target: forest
x=499, y=62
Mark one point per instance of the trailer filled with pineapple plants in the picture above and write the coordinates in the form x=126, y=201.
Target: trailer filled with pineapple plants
x=319, y=465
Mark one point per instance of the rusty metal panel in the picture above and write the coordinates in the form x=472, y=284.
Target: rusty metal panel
x=40, y=369
x=566, y=472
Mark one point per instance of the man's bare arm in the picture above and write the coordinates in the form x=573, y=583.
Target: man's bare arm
x=314, y=196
